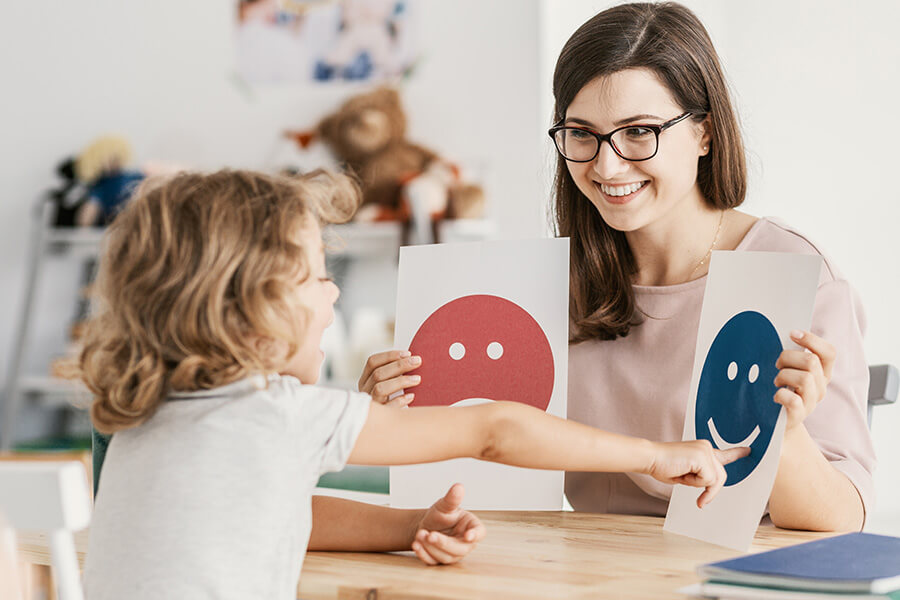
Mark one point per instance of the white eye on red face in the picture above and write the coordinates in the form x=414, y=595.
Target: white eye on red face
x=494, y=350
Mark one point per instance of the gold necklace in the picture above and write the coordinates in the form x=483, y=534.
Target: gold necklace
x=711, y=247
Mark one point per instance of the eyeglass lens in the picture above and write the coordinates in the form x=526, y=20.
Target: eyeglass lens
x=631, y=143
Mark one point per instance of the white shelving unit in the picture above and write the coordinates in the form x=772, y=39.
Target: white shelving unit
x=20, y=387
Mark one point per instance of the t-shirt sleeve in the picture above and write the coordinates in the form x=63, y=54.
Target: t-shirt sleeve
x=839, y=423
x=326, y=423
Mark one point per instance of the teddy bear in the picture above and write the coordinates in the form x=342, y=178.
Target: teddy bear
x=400, y=180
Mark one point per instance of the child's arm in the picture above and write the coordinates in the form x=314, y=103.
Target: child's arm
x=442, y=534
x=519, y=435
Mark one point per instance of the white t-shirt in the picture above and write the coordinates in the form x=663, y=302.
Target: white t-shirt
x=210, y=498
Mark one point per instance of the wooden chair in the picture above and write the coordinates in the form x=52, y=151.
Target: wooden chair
x=51, y=497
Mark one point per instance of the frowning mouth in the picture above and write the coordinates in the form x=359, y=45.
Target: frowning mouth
x=721, y=444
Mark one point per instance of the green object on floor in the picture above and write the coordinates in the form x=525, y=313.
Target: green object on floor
x=51, y=444
x=359, y=479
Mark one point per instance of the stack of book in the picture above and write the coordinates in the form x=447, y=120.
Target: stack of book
x=852, y=566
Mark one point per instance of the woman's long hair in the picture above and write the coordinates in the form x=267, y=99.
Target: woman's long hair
x=194, y=283
x=669, y=40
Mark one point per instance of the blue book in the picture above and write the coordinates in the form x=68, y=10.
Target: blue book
x=854, y=563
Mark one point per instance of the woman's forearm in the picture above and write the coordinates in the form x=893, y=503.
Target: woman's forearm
x=339, y=524
x=811, y=494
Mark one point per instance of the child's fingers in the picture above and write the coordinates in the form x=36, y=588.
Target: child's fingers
x=378, y=360
x=442, y=548
x=450, y=545
x=732, y=454
x=423, y=554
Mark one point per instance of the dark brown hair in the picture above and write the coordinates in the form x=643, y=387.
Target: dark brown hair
x=194, y=284
x=669, y=40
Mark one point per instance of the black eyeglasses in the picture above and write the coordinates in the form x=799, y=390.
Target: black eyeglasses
x=631, y=142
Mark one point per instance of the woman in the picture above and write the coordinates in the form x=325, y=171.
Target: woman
x=651, y=168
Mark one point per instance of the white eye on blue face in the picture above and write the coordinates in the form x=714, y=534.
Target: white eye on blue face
x=753, y=374
x=732, y=370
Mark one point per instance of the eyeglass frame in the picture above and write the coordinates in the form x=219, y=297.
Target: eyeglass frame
x=601, y=137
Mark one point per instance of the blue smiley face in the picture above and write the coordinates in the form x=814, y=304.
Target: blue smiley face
x=735, y=398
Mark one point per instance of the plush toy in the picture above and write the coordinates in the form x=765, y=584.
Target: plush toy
x=101, y=166
x=68, y=198
x=400, y=180
x=365, y=46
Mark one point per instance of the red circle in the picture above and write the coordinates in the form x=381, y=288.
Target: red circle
x=523, y=373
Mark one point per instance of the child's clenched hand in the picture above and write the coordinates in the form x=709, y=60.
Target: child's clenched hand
x=446, y=532
x=385, y=375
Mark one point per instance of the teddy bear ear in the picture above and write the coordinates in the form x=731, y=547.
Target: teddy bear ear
x=303, y=138
x=386, y=95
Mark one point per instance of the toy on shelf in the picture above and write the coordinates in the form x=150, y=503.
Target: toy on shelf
x=69, y=197
x=401, y=181
x=102, y=167
x=367, y=44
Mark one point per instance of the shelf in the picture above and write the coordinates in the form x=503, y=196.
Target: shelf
x=363, y=239
x=55, y=391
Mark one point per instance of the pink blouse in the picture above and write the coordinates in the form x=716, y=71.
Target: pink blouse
x=638, y=385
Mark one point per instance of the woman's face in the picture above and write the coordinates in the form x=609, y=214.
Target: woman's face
x=633, y=195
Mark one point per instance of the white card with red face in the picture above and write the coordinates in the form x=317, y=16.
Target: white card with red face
x=490, y=321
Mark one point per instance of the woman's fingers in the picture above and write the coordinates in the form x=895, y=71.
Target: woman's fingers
x=791, y=401
x=400, y=401
x=818, y=346
x=803, y=383
x=382, y=391
x=385, y=380
x=379, y=360
x=396, y=368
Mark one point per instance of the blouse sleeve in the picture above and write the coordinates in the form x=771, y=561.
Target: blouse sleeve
x=838, y=424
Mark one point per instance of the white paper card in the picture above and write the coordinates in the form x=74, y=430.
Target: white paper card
x=752, y=302
x=490, y=320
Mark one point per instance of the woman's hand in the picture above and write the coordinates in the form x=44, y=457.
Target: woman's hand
x=695, y=463
x=446, y=533
x=803, y=376
x=385, y=375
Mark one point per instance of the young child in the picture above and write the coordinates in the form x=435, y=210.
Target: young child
x=212, y=300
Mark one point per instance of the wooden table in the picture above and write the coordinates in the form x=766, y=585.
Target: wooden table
x=526, y=555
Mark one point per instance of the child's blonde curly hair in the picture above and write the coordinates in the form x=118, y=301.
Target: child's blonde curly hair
x=193, y=285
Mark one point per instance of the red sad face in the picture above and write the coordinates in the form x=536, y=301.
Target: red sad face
x=482, y=347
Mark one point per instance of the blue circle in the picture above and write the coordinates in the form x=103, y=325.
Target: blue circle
x=737, y=401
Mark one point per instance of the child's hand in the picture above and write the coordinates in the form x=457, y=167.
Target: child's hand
x=385, y=375
x=694, y=463
x=447, y=533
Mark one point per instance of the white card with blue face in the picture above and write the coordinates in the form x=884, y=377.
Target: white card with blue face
x=752, y=302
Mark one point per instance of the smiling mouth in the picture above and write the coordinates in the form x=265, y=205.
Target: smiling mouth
x=721, y=444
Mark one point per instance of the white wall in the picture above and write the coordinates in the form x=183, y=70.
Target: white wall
x=826, y=72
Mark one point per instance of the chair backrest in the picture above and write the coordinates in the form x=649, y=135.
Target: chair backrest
x=51, y=497
x=884, y=384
